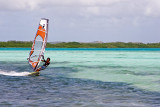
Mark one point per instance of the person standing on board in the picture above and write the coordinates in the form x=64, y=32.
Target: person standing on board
x=44, y=66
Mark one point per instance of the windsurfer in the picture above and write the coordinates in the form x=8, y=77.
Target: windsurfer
x=44, y=66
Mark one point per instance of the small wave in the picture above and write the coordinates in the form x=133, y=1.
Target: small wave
x=13, y=73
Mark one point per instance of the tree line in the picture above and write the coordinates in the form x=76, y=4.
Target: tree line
x=24, y=44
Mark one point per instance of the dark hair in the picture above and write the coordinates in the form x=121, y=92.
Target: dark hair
x=48, y=58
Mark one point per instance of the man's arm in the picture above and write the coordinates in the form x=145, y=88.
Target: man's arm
x=43, y=60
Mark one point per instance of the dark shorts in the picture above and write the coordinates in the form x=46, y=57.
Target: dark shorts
x=43, y=67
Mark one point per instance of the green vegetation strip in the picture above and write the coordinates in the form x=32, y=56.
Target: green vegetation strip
x=22, y=44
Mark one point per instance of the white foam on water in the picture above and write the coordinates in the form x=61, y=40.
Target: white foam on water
x=13, y=73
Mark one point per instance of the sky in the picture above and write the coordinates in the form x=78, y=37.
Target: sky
x=82, y=20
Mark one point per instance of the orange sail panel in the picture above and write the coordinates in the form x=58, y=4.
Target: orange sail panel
x=39, y=44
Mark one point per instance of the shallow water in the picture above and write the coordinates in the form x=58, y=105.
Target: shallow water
x=82, y=78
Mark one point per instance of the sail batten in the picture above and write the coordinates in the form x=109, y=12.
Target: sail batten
x=39, y=44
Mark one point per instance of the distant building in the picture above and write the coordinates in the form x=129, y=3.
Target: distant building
x=97, y=42
x=136, y=42
x=55, y=42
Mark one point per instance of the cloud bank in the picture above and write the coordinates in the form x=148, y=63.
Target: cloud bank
x=89, y=7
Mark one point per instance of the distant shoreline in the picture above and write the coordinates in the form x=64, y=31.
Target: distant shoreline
x=25, y=44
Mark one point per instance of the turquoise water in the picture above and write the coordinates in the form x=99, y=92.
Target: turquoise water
x=82, y=78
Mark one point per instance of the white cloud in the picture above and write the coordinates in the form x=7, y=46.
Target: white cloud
x=12, y=5
x=34, y=4
x=113, y=9
x=153, y=8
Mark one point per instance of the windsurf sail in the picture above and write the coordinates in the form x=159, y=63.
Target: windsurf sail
x=39, y=44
